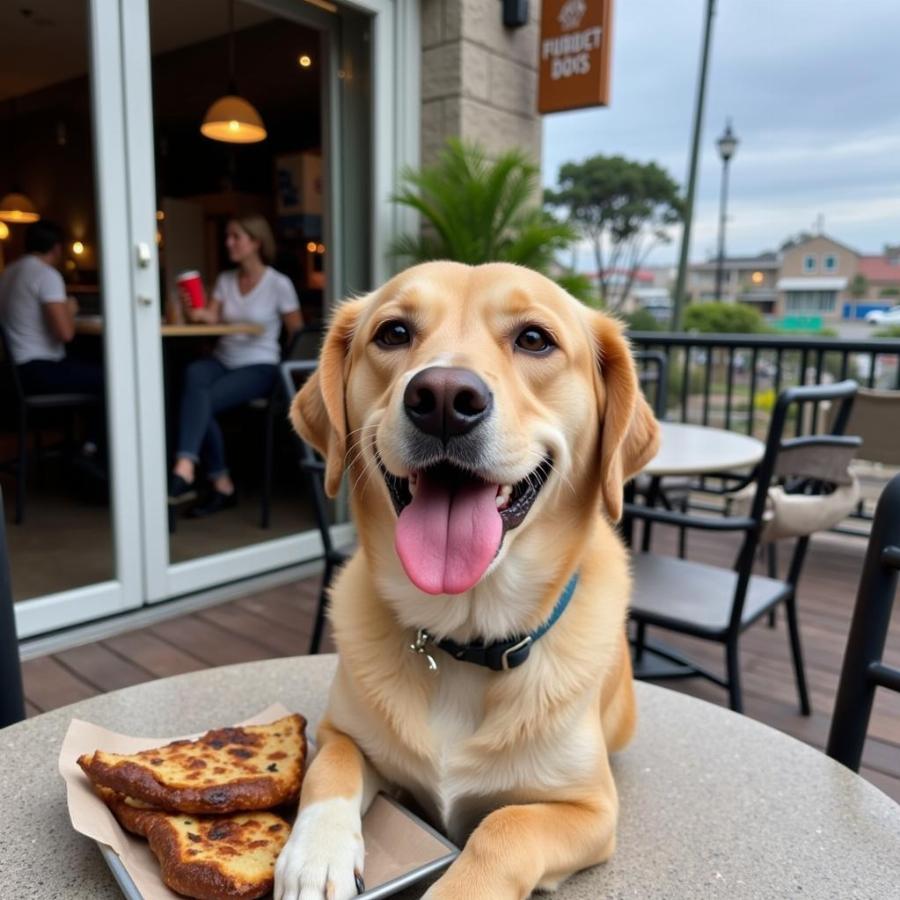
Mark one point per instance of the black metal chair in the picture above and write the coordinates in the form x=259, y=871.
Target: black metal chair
x=293, y=374
x=304, y=345
x=876, y=419
x=863, y=670
x=718, y=604
x=653, y=369
x=25, y=406
x=12, y=700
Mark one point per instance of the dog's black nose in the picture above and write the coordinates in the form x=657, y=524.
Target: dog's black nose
x=446, y=401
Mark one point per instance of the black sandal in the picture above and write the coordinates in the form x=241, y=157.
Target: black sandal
x=180, y=490
x=216, y=502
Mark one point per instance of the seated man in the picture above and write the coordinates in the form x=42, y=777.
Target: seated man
x=39, y=319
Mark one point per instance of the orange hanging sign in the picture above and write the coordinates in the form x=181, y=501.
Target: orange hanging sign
x=574, y=54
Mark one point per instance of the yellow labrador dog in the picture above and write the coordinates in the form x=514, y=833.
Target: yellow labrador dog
x=487, y=421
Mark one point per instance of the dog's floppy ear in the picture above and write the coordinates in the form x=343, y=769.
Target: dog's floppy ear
x=629, y=434
x=318, y=412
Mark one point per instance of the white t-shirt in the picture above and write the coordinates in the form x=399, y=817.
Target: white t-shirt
x=25, y=287
x=273, y=296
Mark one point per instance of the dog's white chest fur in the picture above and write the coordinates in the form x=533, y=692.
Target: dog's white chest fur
x=456, y=712
x=464, y=786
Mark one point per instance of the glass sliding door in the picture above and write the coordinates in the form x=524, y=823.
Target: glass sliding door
x=205, y=186
x=67, y=407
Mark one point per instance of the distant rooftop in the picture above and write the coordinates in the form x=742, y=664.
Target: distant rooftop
x=619, y=276
x=880, y=268
x=767, y=260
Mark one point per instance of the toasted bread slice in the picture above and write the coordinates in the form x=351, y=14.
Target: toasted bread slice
x=207, y=857
x=227, y=770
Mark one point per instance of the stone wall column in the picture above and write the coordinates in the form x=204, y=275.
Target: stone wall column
x=479, y=79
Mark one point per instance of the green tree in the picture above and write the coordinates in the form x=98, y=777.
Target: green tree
x=723, y=318
x=578, y=285
x=641, y=320
x=477, y=210
x=859, y=286
x=624, y=208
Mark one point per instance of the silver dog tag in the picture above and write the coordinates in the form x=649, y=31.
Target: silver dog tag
x=420, y=645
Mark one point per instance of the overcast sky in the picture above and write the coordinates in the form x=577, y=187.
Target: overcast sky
x=813, y=89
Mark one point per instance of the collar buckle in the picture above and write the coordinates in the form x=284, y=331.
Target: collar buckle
x=515, y=655
x=420, y=646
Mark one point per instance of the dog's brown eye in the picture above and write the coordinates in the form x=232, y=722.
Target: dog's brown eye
x=393, y=334
x=534, y=340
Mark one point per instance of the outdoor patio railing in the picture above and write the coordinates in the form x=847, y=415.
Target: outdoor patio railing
x=731, y=380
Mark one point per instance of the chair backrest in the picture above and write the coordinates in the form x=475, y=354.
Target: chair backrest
x=12, y=701
x=293, y=376
x=863, y=670
x=876, y=419
x=305, y=344
x=795, y=458
x=10, y=386
x=798, y=457
x=652, y=371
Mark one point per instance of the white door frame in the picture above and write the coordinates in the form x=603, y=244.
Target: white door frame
x=124, y=590
x=395, y=119
x=397, y=108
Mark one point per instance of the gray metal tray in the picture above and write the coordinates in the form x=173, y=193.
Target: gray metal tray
x=129, y=888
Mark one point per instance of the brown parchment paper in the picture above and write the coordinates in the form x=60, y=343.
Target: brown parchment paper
x=395, y=843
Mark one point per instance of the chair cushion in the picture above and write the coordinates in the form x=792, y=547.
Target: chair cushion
x=693, y=597
x=49, y=401
x=797, y=515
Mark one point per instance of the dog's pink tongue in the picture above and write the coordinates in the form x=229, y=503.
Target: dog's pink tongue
x=447, y=537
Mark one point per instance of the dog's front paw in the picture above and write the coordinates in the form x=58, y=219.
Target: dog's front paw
x=324, y=855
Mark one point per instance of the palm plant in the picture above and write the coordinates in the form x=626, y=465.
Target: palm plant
x=477, y=210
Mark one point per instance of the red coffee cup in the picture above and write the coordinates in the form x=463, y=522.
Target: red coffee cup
x=192, y=283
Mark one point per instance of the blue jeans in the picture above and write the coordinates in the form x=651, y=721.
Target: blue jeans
x=210, y=388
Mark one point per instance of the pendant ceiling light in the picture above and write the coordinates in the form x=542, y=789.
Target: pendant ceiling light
x=232, y=118
x=16, y=206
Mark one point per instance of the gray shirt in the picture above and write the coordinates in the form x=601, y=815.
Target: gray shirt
x=25, y=287
x=270, y=299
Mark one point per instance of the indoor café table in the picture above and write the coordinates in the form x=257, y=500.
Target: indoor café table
x=93, y=325
x=713, y=804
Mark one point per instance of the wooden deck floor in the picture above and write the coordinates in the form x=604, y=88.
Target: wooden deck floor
x=277, y=623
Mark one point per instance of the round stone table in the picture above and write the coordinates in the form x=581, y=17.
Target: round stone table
x=699, y=449
x=712, y=804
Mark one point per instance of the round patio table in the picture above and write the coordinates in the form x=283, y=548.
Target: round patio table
x=712, y=803
x=699, y=449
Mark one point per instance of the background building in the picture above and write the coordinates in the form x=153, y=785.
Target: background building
x=745, y=279
x=815, y=277
x=812, y=279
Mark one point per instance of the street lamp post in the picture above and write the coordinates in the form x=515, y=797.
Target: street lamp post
x=678, y=295
x=727, y=144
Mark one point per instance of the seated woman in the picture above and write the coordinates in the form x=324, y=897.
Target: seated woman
x=243, y=367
